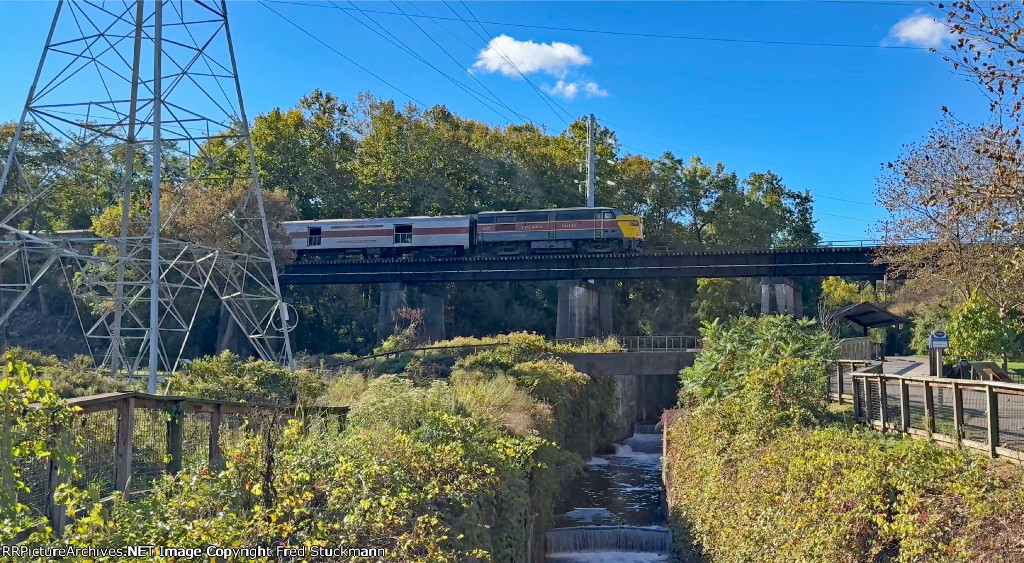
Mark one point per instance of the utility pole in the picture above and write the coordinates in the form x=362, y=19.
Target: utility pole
x=591, y=160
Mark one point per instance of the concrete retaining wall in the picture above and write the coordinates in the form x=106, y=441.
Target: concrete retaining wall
x=646, y=383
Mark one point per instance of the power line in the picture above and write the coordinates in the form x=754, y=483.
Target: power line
x=390, y=37
x=859, y=219
x=457, y=63
x=548, y=100
x=340, y=54
x=647, y=35
x=846, y=200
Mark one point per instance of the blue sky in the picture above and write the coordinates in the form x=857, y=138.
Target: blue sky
x=823, y=117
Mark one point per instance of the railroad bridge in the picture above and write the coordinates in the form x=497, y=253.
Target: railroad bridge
x=584, y=306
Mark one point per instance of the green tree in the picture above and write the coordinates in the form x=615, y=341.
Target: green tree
x=978, y=331
x=731, y=350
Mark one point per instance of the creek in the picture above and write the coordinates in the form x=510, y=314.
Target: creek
x=615, y=510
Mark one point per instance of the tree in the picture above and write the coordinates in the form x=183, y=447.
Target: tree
x=978, y=332
x=943, y=230
x=306, y=152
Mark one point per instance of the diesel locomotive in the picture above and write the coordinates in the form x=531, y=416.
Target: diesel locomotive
x=494, y=233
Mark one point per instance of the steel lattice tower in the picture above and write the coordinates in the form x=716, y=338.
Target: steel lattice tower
x=141, y=102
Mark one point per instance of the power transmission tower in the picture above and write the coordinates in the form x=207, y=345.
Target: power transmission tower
x=591, y=161
x=140, y=102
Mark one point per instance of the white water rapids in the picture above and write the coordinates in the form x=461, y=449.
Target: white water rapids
x=615, y=510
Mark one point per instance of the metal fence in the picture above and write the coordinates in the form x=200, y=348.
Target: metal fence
x=131, y=439
x=643, y=343
x=984, y=415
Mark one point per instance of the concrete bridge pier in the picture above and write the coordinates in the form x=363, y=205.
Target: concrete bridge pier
x=584, y=309
x=393, y=297
x=433, y=301
x=430, y=298
x=781, y=296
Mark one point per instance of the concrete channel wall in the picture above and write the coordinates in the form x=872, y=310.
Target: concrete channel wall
x=646, y=383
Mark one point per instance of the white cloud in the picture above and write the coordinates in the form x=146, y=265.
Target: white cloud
x=594, y=91
x=920, y=30
x=552, y=58
x=569, y=90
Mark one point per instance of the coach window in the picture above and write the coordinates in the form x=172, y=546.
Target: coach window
x=403, y=234
x=314, y=237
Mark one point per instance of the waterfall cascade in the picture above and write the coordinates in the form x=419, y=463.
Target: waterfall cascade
x=615, y=511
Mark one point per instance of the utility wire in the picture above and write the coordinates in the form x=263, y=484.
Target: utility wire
x=457, y=63
x=438, y=23
x=477, y=20
x=340, y=54
x=858, y=219
x=390, y=38
x=846, y=200
x=546, y=99
x=648, y=35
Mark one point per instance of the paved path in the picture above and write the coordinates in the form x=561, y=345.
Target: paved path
x=906, y=365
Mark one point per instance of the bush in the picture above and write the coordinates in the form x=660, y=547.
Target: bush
x=732, y=350
x=77, y=377
x=756, y=472
x=465, y=469
x=29, y=414
x=345, y=389
x=226, y=377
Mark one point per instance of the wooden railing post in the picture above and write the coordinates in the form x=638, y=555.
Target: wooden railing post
x=215, y=453
x=904, y=406
x=993, y=419
x=57, y=513
x=856, y=399
x=840, y=378
x=123, y=449
x=175, y=436
x=883, y=403
x=929, y=409
x=958, y=411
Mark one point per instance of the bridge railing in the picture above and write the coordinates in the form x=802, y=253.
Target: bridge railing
x=663, y=343
x=983, y=415
x=130, y=439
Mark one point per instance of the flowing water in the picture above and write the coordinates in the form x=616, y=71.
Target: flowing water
x=615, y=510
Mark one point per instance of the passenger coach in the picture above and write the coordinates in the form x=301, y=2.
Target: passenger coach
x=382, y=238
x=578, y=229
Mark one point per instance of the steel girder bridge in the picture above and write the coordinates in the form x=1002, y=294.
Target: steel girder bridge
x=767, y=263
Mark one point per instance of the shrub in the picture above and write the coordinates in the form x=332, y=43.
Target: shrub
x=457, y=470
x=226, y=377
x=29, y=415
x=345, y=389
x=76, y=377
x=756, y=473
x=731, y=350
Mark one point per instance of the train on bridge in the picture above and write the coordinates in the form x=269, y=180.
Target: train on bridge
x=577, y=230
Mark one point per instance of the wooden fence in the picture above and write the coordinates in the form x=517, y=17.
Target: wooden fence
x=982, y=415
x=860, y=348
x=130, y=439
